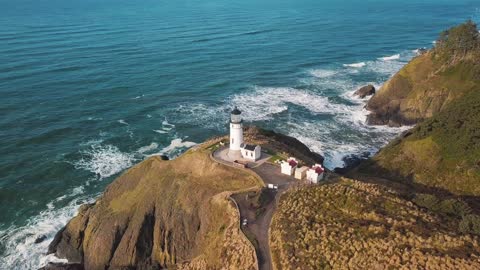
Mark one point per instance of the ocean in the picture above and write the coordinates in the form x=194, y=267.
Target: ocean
x=90, y=88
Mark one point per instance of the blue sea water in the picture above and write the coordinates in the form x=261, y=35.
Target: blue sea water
x=89, y=88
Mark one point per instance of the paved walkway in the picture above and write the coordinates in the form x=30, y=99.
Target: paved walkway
x=258, y=224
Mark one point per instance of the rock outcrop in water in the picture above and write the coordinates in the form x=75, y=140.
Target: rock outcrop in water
x=365, y=91
x=431, y=81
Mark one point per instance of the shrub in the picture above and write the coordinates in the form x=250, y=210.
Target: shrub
x=428, y=201
x=470, y=224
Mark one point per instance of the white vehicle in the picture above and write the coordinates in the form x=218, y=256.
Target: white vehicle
x=245, y=222
x=271, y=186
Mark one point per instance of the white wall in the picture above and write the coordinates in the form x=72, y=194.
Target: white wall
x=236, y=136
x=286, y=168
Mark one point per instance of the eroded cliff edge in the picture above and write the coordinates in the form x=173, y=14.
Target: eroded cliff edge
x=431, y=81
x=171, y=214
x=162, y=213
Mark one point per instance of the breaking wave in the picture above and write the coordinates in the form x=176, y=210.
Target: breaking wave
x=104, y=160
x=355, y=65
x=321, y=110
x=148, y=148
x=322, y=73
x=389, y=58
x=175, y=148
x=26, y=246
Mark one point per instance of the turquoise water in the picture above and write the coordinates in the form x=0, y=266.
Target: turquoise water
x=89, y=88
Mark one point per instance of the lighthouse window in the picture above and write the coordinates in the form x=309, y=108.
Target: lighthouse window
x=232, y=140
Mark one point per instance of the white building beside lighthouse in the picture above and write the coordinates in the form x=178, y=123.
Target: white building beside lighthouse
x=238, y=148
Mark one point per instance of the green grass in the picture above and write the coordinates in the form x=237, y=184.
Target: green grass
x=443, y=151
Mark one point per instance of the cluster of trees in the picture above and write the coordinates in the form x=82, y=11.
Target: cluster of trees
x=457, y=42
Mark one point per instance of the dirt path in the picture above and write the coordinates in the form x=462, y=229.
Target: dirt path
x=259, y=215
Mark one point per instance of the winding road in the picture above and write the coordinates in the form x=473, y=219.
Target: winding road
x=258, y=223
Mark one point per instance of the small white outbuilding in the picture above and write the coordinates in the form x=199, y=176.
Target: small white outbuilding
x=250, y=151
x=315, y=174
x=288, y=167
x=301, y=173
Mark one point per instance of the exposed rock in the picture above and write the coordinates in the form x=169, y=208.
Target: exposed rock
x=40, y=239
x=441, y=152
x=159, y=214
x=282, y=143
x=421, y=51
x=351, y=161
x=170, y=214
x=365, y=91
x=63, y=266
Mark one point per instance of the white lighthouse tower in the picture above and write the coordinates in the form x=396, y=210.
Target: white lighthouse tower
x=236, y=130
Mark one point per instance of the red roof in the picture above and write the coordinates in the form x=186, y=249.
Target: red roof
x=292, y=163
x=319, y=170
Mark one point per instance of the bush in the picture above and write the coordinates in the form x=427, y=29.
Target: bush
x=428, y=201
x=451, y=207
x=470, y=224
x=454, y=207
x=459, y=40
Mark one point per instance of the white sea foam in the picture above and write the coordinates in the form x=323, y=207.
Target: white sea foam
x=21, y=251
x=265, y=102
x=175, y=147
x=160, y=131
x=322, y=73
x=177, y=143
x=212, y=117
x=148, y=148
x=166, y=123
x=355, y=65
x=389, y=58
x=123, y=122
x=104, y=160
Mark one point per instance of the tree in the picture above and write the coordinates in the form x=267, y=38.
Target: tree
x=456, y=42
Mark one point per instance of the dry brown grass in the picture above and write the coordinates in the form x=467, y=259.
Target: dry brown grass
x=355, y=225
x=165, y=214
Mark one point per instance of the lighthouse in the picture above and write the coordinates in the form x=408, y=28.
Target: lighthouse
x=236, y=130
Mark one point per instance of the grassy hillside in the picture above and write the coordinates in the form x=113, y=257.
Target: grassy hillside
x=430, y=81
x=353, y=225
x=158, y=214
x=442, y=152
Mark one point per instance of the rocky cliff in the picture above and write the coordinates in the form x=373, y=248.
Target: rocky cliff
x=161, y=214
x=171, y=214
x=442, y=152
x=441, y=86
x=430, y=81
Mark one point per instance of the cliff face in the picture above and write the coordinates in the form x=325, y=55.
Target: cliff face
x=171, y=214
x=163, y=214
x=441, y=152
x=443, y=87
x=430, y=81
